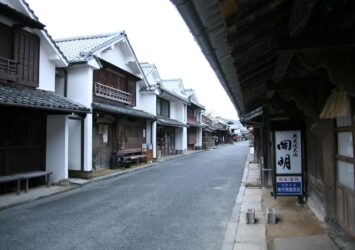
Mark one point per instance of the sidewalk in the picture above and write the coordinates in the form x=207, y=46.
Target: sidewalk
x=297, y=227
x=240, y=235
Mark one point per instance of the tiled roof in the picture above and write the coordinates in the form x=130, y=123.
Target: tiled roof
x=174, y=85
x=122, y=110
x=37, y=98
x=198, y=105
x=189, y=92
x=170, y=122
x=80, y=49
x=196, y=124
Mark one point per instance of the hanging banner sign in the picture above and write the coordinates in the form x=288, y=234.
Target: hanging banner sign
x=288, y=152
x=288, y=163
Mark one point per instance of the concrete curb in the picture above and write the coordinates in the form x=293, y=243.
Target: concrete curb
x=230, y=241
x=112, y=175
x=73, y=187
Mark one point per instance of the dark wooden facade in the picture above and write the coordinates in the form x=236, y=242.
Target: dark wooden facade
x=192, y=114
x=122, y=86
x=22, y=141
x=19, y=56
x=166, y=140
x=115, y=134
x=22, y=131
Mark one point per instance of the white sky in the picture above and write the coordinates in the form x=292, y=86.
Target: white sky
x=156, y=32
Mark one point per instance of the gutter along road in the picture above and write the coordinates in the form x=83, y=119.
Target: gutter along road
x=185, y=203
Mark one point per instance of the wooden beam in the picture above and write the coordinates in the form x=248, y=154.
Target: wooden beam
x=251, y=115
x=281, y=65
x=302, y=102
x=247, y=67
x=287, y=84
x=229, y=8
x=316, y=41
x=253, y=12
x=299, y=16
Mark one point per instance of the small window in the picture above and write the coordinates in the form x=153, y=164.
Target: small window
x=344, y=121
x=163, y=107
x=346, y=174
x=345, y=144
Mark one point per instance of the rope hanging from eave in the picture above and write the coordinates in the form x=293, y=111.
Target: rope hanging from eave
x=336, y=105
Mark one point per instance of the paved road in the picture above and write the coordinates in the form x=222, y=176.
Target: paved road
x=181, y=204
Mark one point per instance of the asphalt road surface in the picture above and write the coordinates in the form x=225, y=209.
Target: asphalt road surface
x=184, y=203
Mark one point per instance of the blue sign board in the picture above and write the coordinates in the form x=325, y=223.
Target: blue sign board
x=289, y=185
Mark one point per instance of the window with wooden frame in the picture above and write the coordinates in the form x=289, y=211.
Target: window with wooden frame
x=26, y=53
x=163, y=107
x=345, y=132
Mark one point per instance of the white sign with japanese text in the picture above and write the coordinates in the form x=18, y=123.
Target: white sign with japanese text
x=288, y=152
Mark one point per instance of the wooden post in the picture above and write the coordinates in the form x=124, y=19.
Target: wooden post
x=265, y=147
x=328, y=150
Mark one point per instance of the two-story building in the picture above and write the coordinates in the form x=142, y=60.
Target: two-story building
x=194, y=120
x=209, y=139
x=105, y=76
x=172, y=117
x=34, y=122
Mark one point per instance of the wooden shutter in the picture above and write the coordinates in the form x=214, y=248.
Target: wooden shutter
x=26, y=53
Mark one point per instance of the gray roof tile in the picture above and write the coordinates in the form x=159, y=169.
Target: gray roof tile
x=30, y=97
x=80, y=49
x=170, y=122
x=123, y=110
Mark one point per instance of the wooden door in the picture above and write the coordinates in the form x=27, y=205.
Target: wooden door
x=22, y=141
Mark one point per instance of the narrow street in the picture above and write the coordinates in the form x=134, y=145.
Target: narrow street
x=184, y=203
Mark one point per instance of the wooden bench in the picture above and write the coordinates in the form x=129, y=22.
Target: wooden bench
x=28, y=175
x=131, y=155
x=25, y=176
x=10, y=178
x=138, y=158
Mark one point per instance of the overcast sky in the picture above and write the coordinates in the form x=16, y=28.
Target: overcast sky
x=156, y=32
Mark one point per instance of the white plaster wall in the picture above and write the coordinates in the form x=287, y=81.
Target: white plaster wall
x=181, y=139
x=57, y=147
x=118, y=57
x=178, y=139
x=154, y=129
x=88, y=143
x=148, y=103
x=184, y=139
x=138, y=97
x=185, y=114
x=199, y=137
x=172, y=110
x=59, y=85
x=80, y=84
x=46, y=71
x=74, y=145
x=151, y=79
x=148, y=131
x=179, y=112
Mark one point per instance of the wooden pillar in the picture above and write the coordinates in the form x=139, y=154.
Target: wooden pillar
x=266, y=147
x=328, y=150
